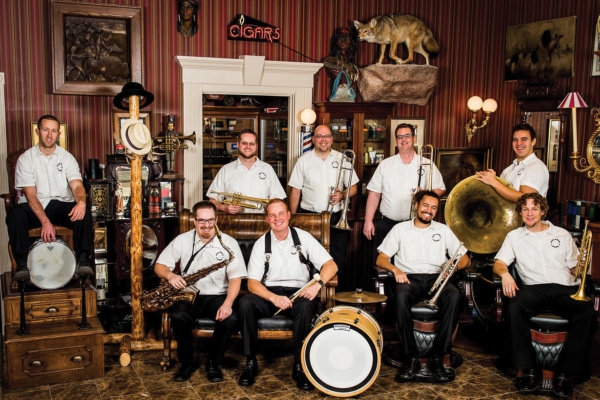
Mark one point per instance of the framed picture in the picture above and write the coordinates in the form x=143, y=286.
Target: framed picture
x=62, y=139
x=96, y=48
x=540, y=152
x=456, y=164
x=596, y=56
x=118, y=117
x=100, y=240
x=552, y=147
x=417, y=123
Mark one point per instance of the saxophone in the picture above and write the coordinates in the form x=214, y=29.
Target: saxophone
x=165, y=295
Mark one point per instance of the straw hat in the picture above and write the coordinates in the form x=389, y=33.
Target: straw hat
x=136, y=136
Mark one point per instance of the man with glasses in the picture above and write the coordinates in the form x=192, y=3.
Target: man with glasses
x=247, y=175
x=395, y=181
x=195, y=250
x=313, y=175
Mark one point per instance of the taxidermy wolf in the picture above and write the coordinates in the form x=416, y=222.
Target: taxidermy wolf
x=394, y=29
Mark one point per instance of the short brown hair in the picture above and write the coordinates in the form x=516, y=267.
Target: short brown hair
x=538, y=200
x=407, y=126
x=250, y=131
x=276, y=200
x=204, y=204
x=47, y=116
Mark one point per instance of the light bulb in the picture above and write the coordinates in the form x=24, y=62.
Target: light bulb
x=490, y=106
x=308, y=116
x=474, y=103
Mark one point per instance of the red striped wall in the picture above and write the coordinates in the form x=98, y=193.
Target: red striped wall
x=470, y=33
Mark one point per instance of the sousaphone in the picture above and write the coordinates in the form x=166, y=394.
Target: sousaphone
x=479, y=216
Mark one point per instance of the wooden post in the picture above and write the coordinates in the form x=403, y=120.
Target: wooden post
x=125, y=351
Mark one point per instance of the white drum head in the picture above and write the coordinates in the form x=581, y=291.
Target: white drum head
x=51, y=265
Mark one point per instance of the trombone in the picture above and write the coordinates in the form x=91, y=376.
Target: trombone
x=239, y=199
x=447, y=270
x=583, y=263
x=347, y=156
x=426, y=152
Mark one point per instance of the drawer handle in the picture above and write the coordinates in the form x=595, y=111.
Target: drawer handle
x=52, y=310
x=36, y=363
x=77, y=358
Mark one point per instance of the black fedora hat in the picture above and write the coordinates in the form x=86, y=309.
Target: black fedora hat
x=121, y=100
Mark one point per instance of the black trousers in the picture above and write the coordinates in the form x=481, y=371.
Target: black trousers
x=382, y=228
x=409, y=294
x=253, y=307
x=20, y=219
x=183, y=316
x=534, y=299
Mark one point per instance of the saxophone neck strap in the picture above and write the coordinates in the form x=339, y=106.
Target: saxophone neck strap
x=189, y=263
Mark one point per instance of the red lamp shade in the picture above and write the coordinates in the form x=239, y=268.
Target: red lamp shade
x=573, y=100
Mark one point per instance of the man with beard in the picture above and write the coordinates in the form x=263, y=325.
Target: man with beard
x=195, y=250
x=313, y=175
x=420, y=248
x=395, y=181
x=53, y=195
x=247, y=175
x=545, y=257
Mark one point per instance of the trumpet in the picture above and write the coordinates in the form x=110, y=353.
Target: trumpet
x=347, y=156
x=170, y=143
x=428, y=151
x=447, y=270
x=239, y=199
x=583, y=263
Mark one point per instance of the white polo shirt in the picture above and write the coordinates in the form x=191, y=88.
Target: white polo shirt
x=420, y=251
x=259, y=181
x=541, y=257
x=396, y=182
x=530, y=172
x=315, y=176
x=285, y=268
x=217, y=282
x=49, y=174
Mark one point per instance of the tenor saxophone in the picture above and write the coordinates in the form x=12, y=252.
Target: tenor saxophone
x=165, y=295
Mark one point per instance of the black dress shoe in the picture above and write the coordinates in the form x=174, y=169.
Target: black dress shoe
x=436, y=366
x=22, y=273
x=296, y=370
x=529, y=382
x=562, y=386
x=299, y=376
x=408, y=371
x=184, y=373
x=249, y=373
x=213, y=371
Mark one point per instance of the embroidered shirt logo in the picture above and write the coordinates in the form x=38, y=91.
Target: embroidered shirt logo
x=421, y=171
x=59, y=166
x=555, y=243
x=335, y=164
x=436, y=237
x=293, y=250
x=262, y=175
x=220, y=256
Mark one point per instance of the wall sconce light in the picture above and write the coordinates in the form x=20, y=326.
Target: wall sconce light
x=475, y=104
x=308, y=118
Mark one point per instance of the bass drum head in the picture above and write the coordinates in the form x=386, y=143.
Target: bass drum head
x=51, y=265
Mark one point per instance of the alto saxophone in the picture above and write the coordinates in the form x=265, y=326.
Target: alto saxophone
x=165, y=295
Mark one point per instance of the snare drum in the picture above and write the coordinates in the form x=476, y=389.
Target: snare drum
x=51, y=265
x=341, y=356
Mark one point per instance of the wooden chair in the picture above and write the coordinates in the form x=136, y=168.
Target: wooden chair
x=247, y=228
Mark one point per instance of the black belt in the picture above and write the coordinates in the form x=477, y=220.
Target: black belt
x=384, y=218
x=302, y=210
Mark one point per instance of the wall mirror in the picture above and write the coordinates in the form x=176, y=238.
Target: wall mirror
x=590, y=164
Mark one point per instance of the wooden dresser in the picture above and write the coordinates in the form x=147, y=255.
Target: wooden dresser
x=56, y=349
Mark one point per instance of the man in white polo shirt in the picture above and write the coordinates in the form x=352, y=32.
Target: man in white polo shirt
x=527, y=173
x=395, y=181
x=544, y=257
x=279, y=265
x=53, y=195
x=313, y=176
x=247, y=175
x=195, y=250
x=420, y=248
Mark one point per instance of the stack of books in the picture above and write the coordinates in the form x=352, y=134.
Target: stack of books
x=578, y=211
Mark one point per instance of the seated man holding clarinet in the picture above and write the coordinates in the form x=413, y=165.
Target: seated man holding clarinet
x=420, y=247
x=279, y=279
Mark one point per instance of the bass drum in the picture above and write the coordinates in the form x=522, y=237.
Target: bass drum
x=341, y=356
x=51, y=265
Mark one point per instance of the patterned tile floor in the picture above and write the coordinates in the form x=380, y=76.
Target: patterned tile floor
x=143, y=379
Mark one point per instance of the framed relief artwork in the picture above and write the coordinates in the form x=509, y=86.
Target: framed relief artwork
x=118, y=117
x=419, y=126
x=552, y=146
x=62, y=139
x=540, y=152
x=596, y=56
x=456, y=164
x=96, y=48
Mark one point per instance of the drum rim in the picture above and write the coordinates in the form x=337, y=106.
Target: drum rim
x=40, y=242
x=356, y=389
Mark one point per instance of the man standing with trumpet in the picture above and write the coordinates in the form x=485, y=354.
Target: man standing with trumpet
x=420, y=248
x=327, y=180
x=545, y=259
x=247, y=176
x=279, y=265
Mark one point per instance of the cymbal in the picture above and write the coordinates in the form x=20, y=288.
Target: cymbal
x=359, y=297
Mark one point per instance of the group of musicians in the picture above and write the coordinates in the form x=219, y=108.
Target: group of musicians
x=285, y=258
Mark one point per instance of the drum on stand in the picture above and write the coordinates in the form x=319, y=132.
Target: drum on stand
x=51, y=265
x=341, y=356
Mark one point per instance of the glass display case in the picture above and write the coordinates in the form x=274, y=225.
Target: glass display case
x=274, y=143
x=341, y=129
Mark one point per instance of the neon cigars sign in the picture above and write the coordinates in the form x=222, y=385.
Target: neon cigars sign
x=247, y=28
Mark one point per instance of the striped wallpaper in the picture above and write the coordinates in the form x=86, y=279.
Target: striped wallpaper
x=470, y=33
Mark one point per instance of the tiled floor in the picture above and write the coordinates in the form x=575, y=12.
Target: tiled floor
x=143, y=379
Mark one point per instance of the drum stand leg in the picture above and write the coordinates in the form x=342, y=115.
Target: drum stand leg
x=22, y=322
x=84, y=323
